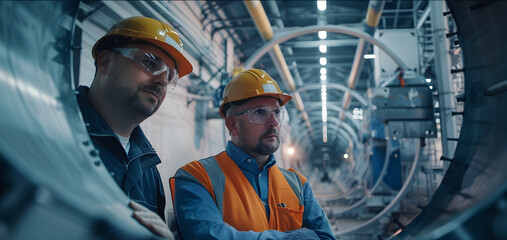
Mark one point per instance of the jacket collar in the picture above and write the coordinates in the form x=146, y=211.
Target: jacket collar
x=95, y=124
x=98, y=127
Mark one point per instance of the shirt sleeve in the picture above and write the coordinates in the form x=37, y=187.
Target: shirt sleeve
x=199, y=218
x=314, y=217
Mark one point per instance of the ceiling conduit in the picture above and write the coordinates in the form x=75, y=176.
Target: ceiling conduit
x=262, y=23
x=370, y=25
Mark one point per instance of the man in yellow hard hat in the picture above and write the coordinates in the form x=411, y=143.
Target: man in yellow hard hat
x=136, y=61
x=241, y=193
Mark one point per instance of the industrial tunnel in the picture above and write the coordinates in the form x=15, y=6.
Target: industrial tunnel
x=412, y=146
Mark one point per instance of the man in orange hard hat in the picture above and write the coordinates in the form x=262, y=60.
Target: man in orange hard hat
x=136, y=61
x=241, y=193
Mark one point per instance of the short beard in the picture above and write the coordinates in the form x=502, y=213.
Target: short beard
x=261, y=148
x=137, y=106
x=264, y=149
x=133, y=103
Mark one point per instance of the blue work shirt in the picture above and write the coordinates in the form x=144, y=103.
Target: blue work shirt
x=199, y=218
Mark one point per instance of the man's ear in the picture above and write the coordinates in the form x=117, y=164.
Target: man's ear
x=103, y=61
x=230, y=123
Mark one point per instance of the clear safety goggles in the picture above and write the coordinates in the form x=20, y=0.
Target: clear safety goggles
x=261, y=115
x=151, y=62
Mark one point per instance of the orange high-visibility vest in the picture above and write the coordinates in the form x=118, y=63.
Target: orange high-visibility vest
x=238, y=201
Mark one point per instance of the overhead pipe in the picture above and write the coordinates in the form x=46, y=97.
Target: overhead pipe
x=272, y=5
x=262, y=23
x=200, y=44
x=370, y=25
x=293, y=33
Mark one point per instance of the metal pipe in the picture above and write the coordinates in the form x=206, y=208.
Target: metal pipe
x=370, y=25
x=261, y=21
x=444, y=83
x=293, y=33
x=200, y=44
x=395, y=23
x=279, y=23
x=423, y=18
x=396, y=199
x=369, y=192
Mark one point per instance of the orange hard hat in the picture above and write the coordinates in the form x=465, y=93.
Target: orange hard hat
x=248, y=84
x=153, y=31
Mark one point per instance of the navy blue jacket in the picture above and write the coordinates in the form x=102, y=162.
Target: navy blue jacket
x=136, y=174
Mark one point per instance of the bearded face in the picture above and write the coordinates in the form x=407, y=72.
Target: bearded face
x=266, y=144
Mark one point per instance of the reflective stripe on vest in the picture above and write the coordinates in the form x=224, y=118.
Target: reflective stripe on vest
x=244, y=210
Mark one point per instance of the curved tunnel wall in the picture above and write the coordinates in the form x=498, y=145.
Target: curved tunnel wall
x=470, y=202
x=52, y=183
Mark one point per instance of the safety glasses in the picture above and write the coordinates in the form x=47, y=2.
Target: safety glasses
x=151, y=62
x=261, y=115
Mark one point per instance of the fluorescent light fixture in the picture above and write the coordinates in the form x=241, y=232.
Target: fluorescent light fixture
x=324, y=133
x=323, y=48
x=321, y=5
x=323, y=61
x=428, y=80
x=323, y=70
x=322, y=34
x=323, y=97
x=323, y=77
x=369, y=56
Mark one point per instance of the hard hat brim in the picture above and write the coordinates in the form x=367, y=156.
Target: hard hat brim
x=284, y=98
x=184, y=67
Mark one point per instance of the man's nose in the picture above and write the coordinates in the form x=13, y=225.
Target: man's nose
x=273, y=121
x=161, y=79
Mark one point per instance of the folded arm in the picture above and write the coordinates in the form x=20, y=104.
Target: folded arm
x=314, y=216
x=199, y=218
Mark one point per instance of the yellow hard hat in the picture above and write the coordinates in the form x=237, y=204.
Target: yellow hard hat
x=153, y=31
x=248, y=84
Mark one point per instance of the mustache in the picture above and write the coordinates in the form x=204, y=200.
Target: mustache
x=270, y=131
x=154, y=88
